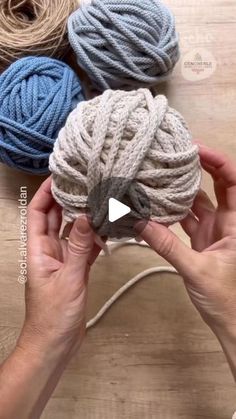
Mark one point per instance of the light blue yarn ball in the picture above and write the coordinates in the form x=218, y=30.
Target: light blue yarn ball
x=36, y=96
x=124, y=43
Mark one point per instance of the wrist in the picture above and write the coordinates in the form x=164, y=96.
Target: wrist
x=224, y=330
x=226, y=335
x=227, y=339
x=48, y=348
x=37, y=365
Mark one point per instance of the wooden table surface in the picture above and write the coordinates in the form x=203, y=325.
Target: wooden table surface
x=151, y=356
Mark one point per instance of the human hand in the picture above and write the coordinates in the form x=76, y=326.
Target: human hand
x=209, y=268
x=56, y=290
x=56, y=294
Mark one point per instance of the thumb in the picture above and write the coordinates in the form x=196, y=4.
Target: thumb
x=170, y=247
x=80, y=245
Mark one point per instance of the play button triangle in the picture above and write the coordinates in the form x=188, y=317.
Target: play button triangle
x=117, y=210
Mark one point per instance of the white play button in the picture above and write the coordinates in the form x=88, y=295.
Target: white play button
x=117, y=210
x=115, y=205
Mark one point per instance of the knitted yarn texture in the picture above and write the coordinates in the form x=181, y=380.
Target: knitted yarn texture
x=36, y=97
x=131, y=135
x=124, y=43
x=33, y=27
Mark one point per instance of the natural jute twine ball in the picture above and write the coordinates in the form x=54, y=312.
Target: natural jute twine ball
x=123, y=43
x=33, y=27
x=36, y=96
x=130, y=135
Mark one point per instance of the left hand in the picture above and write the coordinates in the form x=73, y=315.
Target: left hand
x=58, y=270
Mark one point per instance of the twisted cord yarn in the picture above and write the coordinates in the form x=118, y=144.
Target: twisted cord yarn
x=125, y=288
x=36, y=96
x=33, y=27
x=123, y=43
x=130, y=135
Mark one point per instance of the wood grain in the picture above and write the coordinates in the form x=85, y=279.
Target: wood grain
x=151, y=356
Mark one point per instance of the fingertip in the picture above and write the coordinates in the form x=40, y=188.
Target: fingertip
x=81, y=233
x=43, y=199
x=82, y=225
x=46, y=185
x=146, y=230
x=211, y=156
x=140, y=226
x=80, y=243
x=198, y=142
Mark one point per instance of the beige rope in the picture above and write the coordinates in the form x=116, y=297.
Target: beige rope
x=125, y=288
x=33, y=27
x=133, y=281
x=130, y=135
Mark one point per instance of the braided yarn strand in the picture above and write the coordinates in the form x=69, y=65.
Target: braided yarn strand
x=36, y=96
x=124, y=43
x=130, y=135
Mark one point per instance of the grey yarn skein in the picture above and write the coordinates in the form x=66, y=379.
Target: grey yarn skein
x=130, y=135
x=124, y=43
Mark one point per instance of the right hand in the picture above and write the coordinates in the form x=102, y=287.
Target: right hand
x=209, y=268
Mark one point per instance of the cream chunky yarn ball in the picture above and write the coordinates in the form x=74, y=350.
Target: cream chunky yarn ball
x=129, y=135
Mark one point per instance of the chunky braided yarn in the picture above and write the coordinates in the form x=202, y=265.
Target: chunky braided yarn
x=33, y=27
x=123, y=43
x=130, y=135
x=36, y=96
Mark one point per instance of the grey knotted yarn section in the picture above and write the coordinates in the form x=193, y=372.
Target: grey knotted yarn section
x=124, y=43
x=130, y=135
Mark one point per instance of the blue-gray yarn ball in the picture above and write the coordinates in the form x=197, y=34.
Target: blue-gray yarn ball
x=36, y=96
x=124, y=43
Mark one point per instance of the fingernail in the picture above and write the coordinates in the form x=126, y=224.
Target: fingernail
x=197, y=141
x=83, y=226
x=202, y=145
x=140, y=226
